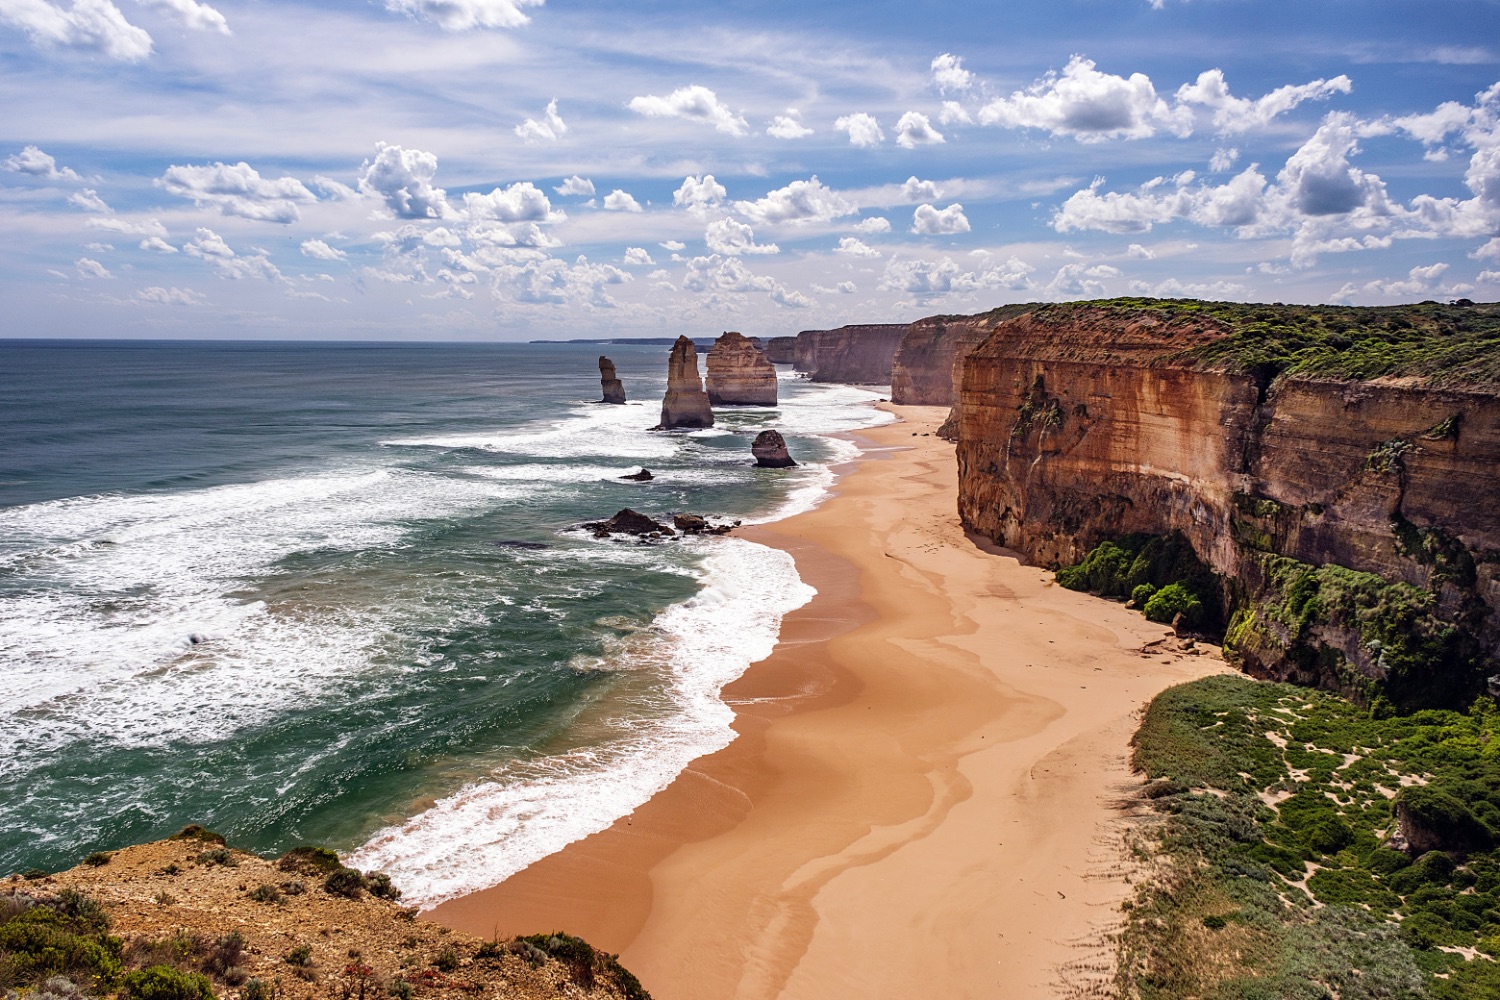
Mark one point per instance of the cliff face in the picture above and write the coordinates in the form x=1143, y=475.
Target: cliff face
x=1354, y=523
x=928, y=364
x=738, y=373
x=781, y=350
x=861, y=355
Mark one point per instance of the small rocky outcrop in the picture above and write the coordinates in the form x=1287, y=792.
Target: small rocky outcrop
x=769, y=449
x=685, y=404
x=738, y=373
x=693, y=524
x=628, y=522
x=1428, y=819
x=644, y=476
x=614, y=389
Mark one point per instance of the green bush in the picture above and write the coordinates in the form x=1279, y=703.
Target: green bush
x=196, y=832
x=162, y=982
x=98, y=858
x=379, y=884
x=1141, y=594
x=344, y=882
x=1170, y=601
x=309, y=860
x=1444, y=818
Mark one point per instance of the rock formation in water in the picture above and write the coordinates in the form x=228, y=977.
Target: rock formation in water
x=781, y=350
x=614, y=389
x=859, y=355
x=628, y=522
x=1338, y=468
x=644, y=476
x=685, y=404
x=738, y=373
x=769, y=449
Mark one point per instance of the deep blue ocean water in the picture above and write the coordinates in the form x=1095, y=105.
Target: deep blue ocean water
x=328, y=593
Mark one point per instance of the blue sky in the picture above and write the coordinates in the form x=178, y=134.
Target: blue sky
x=508, y=169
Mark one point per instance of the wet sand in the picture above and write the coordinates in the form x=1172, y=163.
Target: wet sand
x=924, y=798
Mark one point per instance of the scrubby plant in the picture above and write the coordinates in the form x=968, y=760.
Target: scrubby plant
x=196, y=832
x=446, y=960
x=98, y=859
x=309, y=860
x=162, y=982
x=344, y=882
x=299, y=956
x=379, y=885
x=255, y=989
x=218, y=856
x=265, y=893
x=1172, y=600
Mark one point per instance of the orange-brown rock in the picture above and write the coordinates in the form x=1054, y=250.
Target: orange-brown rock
x=614, y=389
x=685, y=404
x=781, y=350
x=739, y=374
x=1082, y=424
x=928, y=365
x=857, y=354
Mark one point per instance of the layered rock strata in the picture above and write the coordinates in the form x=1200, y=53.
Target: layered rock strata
x=859, y=354
x=739, y=374
x=1353, y=522
x=781, y=350
x=928, y=365
x=614, y=389
x=769, y=449
x=685, y=404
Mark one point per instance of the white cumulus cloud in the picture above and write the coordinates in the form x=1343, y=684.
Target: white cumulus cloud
x=925, y=279
x=550, y=127
x=855, y=248
x=35, y=163
x=914, y=129
x=157, y=295
x=694, y=103
x=1088, y=105
x=621, y=201
x=576, y=186
x=402, y=179
x=238, y=189
x=464, y=15
x=88, y=199
x=1240, y=114
x=199, y=16
x=321, y=250
x=94, y=25
x=638, y=257
x=864, y=131
x=157, y=245
x=88, y=267
x=874, y=224
x=930, y=221
x=919, y=190
x=788, y=126
x=799, y=201
x=948, y=73
x=726, y=236
x=953, y=112
x=699, y=194
x=520, y=202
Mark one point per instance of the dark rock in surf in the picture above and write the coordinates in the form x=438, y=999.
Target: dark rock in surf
x=629, y=522
x=769, y=449
x=644, y=476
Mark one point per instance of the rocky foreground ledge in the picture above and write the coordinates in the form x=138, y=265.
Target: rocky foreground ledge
x=191, y=919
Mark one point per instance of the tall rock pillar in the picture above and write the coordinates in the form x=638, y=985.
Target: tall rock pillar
x=614, y=390
x=685, y=404
x=738, y=372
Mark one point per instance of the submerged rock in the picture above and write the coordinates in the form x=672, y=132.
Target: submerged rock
x=685, y=404
x=738, y=372
x=769, y=449
x=614, y=389
x=629, y=522
x=644, y=476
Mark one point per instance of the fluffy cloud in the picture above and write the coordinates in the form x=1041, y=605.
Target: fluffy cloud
x=925, y=279
x=1139, y=252
x=578, y=186
x=699, y=194
x=930, y=221
x=1223, y=160
x=788, y=126
x=799, y=201
x=157, y=245
x=126, y=227
x=520, y=202
x=953, y=112
x=238, y=189
x=728, y=274
x=948, y=73
x=874, y=224
x=1236, y=203
x=1320, y=180
x=694, y=103
x=90, y=268
x=1087, y=105
x=321, y=250
x=209, y=246
x=864, y=131
x=1239, y=114
x=157, y=295
x=1081, y=279
x=638, y=257
x=35, y=163
x=550, y=128
x=1418, y=281
x=88, y=199
x=199, y=16
x=402, y=179
x=621, y=201
x=914, y=129
x=855, y=248
x=463, y=15
x=918, y=190
x=94, y=25
x=541, y=280
x=732, y=238
x=673, y=245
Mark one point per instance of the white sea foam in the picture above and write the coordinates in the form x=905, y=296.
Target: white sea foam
x=128, y=624
x=533, y=809
x=588, y=430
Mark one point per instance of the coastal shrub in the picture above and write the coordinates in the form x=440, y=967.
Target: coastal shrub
x=1172, y=600
x=63, y=936
x=1140, y=567
x=224, y=954
x=299, y=956
x=98, y=858
x=162, y=982
x=400, y=989
x=446, y=960
x=255, y=989
x=265, y=893
x=1141, y=594
x=344, y=882
x=218, y=856
x=379, y=885
x=195, y=832
x=309, y=860
x=1443, y=818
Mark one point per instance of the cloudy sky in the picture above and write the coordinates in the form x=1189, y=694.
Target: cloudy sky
x=507, y=169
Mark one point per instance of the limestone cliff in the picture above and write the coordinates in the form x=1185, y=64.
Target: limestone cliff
x=614, y=389
x=1339, y=469
x=781, y=350
x=685, y=404
x=738, y=373
x=861, y=355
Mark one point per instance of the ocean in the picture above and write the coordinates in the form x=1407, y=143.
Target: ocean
x=329, y=593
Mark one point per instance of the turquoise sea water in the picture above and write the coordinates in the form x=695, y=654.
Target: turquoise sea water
x=327, y=593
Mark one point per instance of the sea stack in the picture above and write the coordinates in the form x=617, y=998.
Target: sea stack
x=685, y=404
x=769, y=449
x=738, y=372
x=614, y=390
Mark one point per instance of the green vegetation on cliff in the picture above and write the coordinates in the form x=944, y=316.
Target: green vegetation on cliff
x=1161, y=575
x=1274, y=871
x=1457, y=344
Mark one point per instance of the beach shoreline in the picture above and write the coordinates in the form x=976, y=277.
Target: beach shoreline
x=923, y=789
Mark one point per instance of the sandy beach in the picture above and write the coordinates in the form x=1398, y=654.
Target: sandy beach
x=924, y=797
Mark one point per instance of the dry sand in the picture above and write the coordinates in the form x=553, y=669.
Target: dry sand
x=925, y=796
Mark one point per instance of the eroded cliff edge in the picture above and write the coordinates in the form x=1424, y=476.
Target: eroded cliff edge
x=1337, y=468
